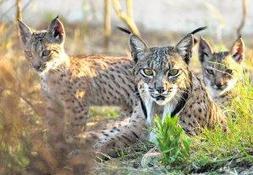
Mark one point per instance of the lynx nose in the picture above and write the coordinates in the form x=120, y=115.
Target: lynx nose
x=220, y=85
x=160, y=89
x=37, y=67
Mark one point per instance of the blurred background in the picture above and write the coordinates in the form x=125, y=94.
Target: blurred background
x=87, y=20
x=91, y=29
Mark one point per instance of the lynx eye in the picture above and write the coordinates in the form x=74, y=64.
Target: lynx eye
x=173, y=72
x=45, y=53
x=148, y=72
x=229, y=72
x=210, y=71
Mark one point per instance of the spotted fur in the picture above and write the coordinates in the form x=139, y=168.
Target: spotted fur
x=73, y=84
x=76, y=83
x=165, y=86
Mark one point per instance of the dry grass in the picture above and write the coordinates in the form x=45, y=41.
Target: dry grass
x=21, y=107
x=23, y=135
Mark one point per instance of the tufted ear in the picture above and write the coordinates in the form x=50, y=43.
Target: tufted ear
x=137, y=47
x=56, y=31
x=205, y=50
x=237, y=50
x=184, y=47
x=24, y=31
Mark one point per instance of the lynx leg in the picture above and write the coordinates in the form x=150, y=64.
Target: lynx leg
x=80, y=157
x=124, y=134
x=54, y=117
x=55, y=127
x=76, y=115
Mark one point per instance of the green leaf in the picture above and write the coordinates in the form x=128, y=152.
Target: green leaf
x=172, y=141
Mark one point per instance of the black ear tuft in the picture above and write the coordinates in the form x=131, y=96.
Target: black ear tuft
x=25, y=32
x=137, y=47
x=237, y=50
x=56, y=30
x=198, y=30
x=124, y=30
x=205, y=50
x=184, y=47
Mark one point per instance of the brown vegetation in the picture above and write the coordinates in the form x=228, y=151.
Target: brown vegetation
x=23, y=136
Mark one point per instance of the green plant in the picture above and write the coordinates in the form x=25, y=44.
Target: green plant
x=213, y=149
x=171, y=140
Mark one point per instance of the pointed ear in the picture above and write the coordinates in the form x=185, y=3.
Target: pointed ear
x=195, y=41
x=56, y=31
x=184, y=47
x=137, y=47
x=25, y=32
x=205, y=50
x=237, y=50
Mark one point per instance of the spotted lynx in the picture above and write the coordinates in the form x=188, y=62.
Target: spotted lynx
x=75, y=83
x=165, y=86
x=162, y=84
x=221, y=71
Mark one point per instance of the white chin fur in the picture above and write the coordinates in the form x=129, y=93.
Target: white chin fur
x=215, y=92
x=230, y=85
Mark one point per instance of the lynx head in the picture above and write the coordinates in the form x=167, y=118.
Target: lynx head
x=221, y=70
x=43, y=48
x=162, y=71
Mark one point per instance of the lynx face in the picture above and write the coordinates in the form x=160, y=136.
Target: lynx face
x=221, y=70
x=162, y=71
x=43, y=47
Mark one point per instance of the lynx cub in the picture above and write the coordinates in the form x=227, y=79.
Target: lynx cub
x=75, y=83
x=221, y=71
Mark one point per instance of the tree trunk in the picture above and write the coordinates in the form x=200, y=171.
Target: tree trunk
x=244, y=15
x=126, y=17
x=18, y=10
x=107, y=21
x=129, y=6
